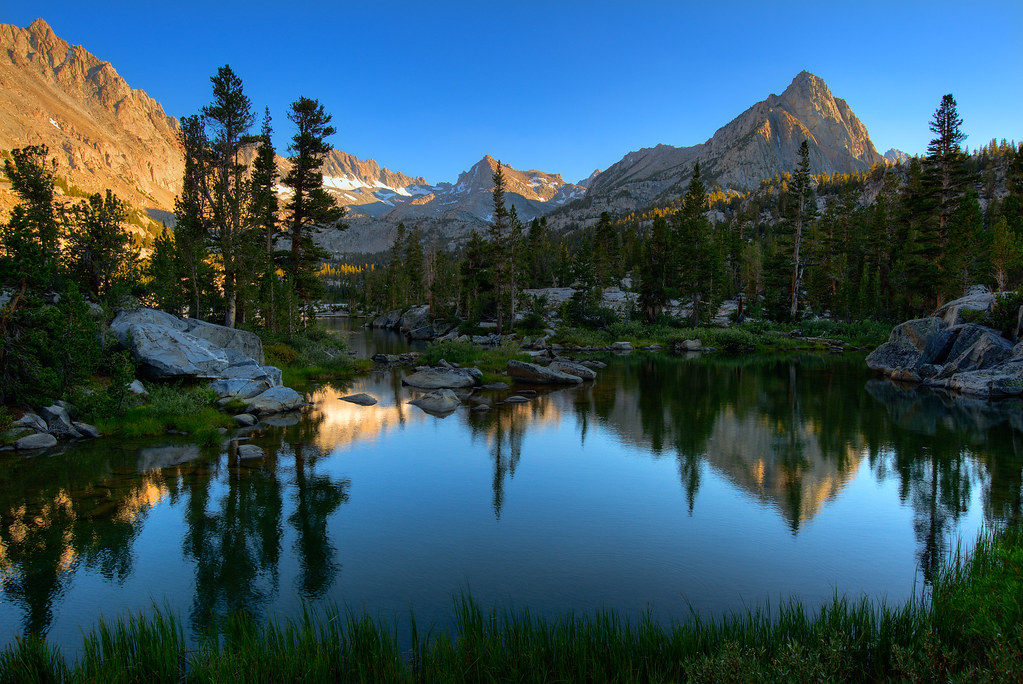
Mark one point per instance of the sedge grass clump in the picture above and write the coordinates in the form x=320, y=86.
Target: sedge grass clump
x=170, y=407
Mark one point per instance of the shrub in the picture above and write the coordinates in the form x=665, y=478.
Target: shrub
x=1005, y=313
x=279, y=354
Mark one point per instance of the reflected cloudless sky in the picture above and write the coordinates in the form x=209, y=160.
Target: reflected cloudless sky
x=566, y=87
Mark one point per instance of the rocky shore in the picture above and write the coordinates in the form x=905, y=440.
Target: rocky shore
x=948, y=351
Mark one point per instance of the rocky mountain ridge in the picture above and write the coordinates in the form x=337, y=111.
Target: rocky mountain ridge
x=102, y=132
x=761, y=142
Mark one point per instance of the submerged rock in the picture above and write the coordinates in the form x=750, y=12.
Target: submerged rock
x=362, y=399
x=541, y=375
x=437, y=378
x=440, y=402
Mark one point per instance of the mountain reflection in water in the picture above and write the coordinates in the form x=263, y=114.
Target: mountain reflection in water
x=665, y=484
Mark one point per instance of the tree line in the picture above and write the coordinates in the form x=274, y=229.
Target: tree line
x=889, y=244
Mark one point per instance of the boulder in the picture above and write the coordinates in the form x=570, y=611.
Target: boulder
x=31, y=420
x=572, y=368
x=86, y=430
x=39, y=440
x=436, y=378
x=978, y=298
x=388, y=320
x=976, y=347
x=245, y=419
x=590, y=363
x=361, y=399
x=274, y=400
x=541, y=375
x=242, y=341
x=414, y=318
x=515, y=399
x=497, y=386
x=238, y=388
x=138, y=389
x=621, y=346
x=165, y=352
x=441, y=401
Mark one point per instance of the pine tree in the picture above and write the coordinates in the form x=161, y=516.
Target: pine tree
x=500, y=226
x=1006, y=253
x=653, y=272
x=194, y=212
x=803, y=209
x=264, y=224
x=310, y=207
x=694, y=253
x=31, y=251
x=230, y=117
x=944, y=181
x=101, y=251
x=414, y=265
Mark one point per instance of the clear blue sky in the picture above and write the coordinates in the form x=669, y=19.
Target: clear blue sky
x=429, y=88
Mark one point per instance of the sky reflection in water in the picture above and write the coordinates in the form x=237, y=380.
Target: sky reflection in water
x=665, y=485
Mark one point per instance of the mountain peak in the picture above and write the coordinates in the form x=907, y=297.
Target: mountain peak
x=808, y=87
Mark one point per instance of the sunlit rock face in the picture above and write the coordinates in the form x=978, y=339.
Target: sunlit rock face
x=761, y=142
x=102, y=132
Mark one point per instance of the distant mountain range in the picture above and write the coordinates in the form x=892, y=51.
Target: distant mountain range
x=104, y=134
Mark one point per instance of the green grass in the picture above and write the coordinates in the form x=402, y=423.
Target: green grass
x=313, y=356
x=969, y=630
x=491, y=360
x=170, y=407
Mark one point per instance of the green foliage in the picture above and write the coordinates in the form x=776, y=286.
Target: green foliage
x=1005, y=313
x=488, y=359
x=170, y=407
x=47, y=349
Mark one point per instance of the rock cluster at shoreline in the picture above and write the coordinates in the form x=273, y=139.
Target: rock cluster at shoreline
x=946, y=351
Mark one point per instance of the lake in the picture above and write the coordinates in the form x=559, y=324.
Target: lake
x=666, y=486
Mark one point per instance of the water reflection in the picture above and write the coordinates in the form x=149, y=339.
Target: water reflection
x=786, y=439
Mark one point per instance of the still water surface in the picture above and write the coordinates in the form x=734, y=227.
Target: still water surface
x=665, y=486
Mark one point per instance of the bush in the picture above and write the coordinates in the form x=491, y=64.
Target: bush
x=1005, y=313
x=279, y=355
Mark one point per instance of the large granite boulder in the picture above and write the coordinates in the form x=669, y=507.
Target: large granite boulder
x=416, y=317
x=166, y=353
x=540, y=375
x=438, y=402
x=241, y=341
x=38, y=440
x=387, y=320
x=437, y=378
x=962, y=357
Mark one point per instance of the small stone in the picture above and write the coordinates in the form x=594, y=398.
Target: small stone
x=515, y=399
x=622, y=346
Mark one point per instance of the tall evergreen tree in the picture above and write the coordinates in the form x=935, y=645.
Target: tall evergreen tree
x=694, y=257
x=500, y=227
x=193, y=210
x=263, y=219
x=944, y=181
x=229, y=117
x=310, y=207
x=654, y=267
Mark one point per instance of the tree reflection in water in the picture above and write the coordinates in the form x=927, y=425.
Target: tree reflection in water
x=789, y=433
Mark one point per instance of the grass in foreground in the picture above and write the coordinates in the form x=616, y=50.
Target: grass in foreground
x=970, y=630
